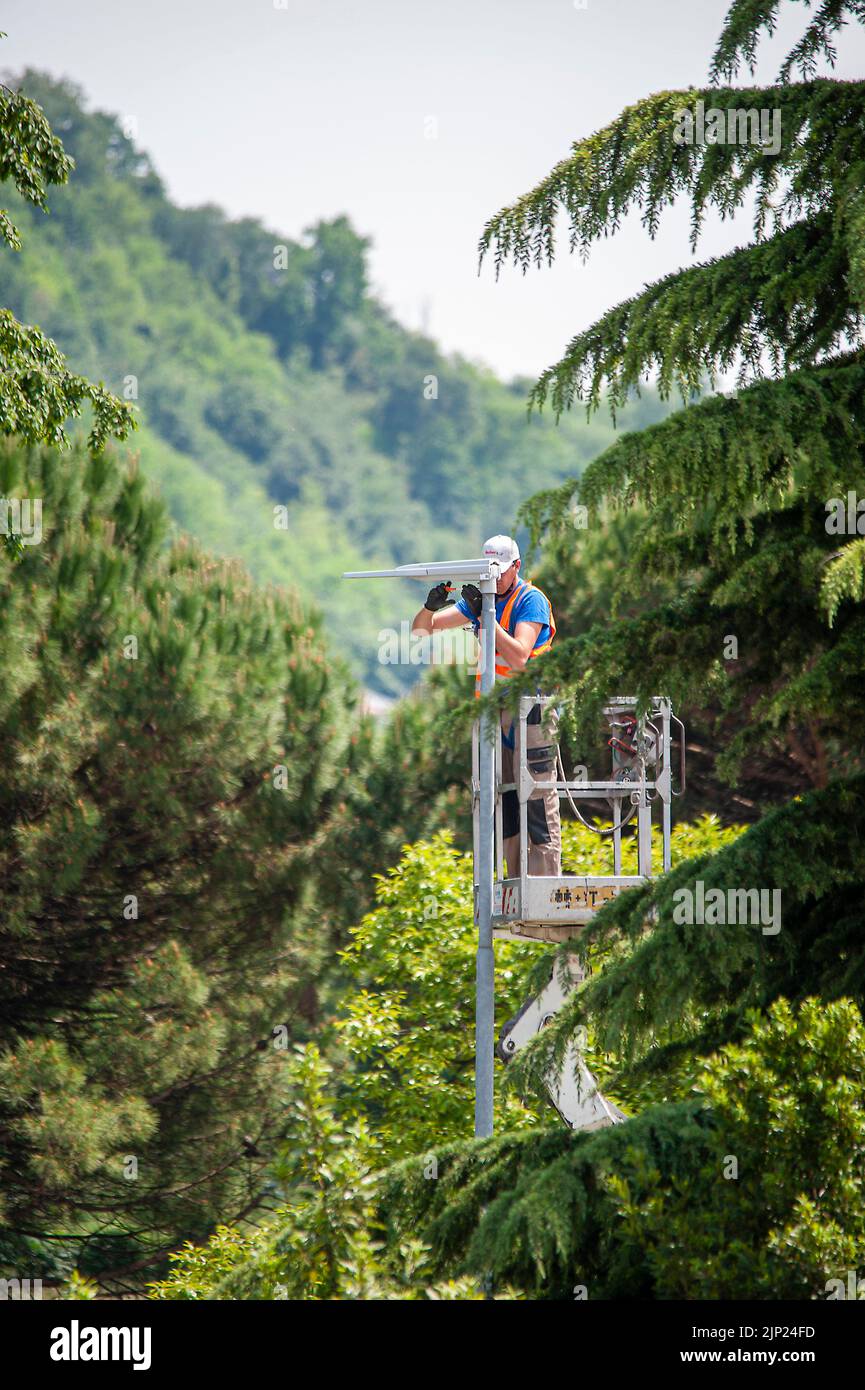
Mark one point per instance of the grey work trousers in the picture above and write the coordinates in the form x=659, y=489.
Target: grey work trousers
x=542, y=808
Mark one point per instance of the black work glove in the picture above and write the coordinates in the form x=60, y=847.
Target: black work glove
x=438, y=597
x=473, y=599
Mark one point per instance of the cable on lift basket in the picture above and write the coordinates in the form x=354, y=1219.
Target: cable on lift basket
x=611, y=830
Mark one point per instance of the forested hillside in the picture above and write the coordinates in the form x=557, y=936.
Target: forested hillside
x=266, y=373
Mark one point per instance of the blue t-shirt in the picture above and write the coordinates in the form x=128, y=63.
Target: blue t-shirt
x=534, y=608
x=531, y=609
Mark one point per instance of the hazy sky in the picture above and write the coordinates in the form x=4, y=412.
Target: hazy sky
x=293, y=110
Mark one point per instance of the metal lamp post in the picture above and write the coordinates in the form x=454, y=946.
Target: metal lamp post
x=484, y=573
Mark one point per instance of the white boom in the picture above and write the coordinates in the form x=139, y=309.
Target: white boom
x=572, y=1088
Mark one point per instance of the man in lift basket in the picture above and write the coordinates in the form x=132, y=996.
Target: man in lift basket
x=525, y=628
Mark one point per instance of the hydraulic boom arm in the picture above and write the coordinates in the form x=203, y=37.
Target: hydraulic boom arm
x=572, y=1089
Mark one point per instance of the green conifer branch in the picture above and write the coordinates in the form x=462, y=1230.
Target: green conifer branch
x=747, y=20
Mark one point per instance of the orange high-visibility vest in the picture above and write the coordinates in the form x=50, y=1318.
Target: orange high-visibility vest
x=509, y=620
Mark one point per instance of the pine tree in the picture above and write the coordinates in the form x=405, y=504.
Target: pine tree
x=173, y=740
x=192, y=809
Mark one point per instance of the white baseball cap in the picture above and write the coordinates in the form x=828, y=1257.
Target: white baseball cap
x=502, y=548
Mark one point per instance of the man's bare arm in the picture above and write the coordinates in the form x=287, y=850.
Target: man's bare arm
x=425, y=621
x=517, y=649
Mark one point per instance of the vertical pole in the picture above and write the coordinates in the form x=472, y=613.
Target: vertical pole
x=485, y=970
x=475, y=809
x=644, y=818
x=644, y=836
x=521, y=771
x=666, y=810
x=500, y=842
x=644, y=828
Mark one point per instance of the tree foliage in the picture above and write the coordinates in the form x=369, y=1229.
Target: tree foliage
x=748, y=20
x=324, y=1240
x=38, y=393
x=155, y=873
x=406, y=1022
x=656, y=1208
